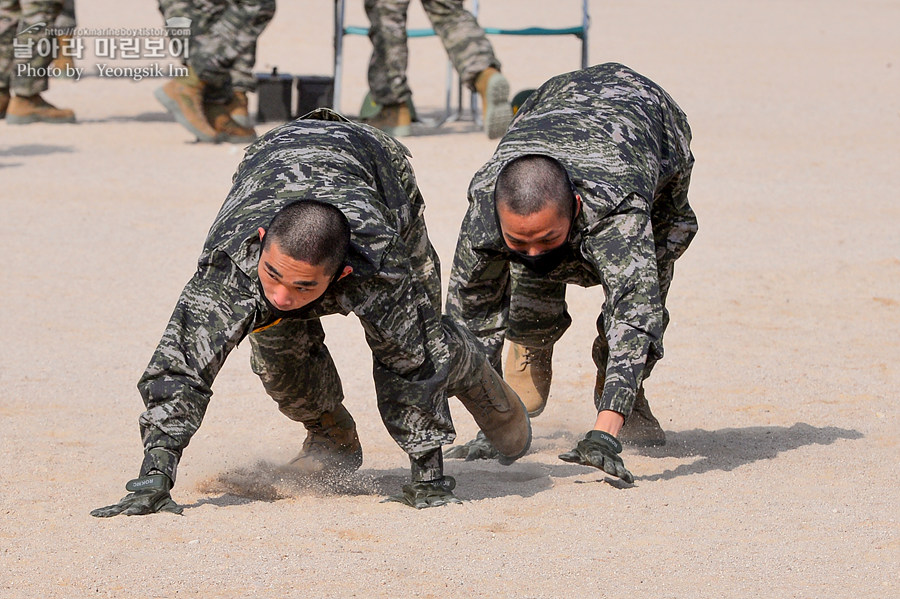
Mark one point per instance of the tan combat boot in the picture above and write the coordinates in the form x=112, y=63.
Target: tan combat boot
x=4, y=103
x=239, y=109
x=34, y=109
x=499, y=413
x=183, y=98
x=227, y=128
x=493, y=88
x=528, y=371
x=641, y=428
x=331, y=447
x=393, y=119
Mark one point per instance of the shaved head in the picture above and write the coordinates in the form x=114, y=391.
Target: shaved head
x=313, y=232
x=532, y=183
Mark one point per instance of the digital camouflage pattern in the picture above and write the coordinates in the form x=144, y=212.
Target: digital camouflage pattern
x=66, y=18
x=625, y=145
x=223, y=39
x=20, y=15
x=465, y=42
x=394, y=289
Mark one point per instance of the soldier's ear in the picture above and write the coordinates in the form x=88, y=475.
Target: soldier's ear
x=577, y=206
x=347, y=270
x=262, y=233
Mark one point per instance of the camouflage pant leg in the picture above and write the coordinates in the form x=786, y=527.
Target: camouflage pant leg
x=390, y=55
x=537, y=309
x=232, y=35
x=296, y=368
x=66, y=18
x=241, y=74
x=465, y=41
x=200, y=12
x=10, y=13
x=223, y=39
x=33, y=12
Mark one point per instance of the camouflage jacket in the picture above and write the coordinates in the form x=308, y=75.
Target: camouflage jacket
x=364, y=173
x=622, y=139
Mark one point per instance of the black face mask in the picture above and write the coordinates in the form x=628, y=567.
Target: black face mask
x=544, y=262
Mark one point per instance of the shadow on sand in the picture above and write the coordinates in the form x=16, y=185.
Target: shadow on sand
x=730, y=448
x=724, y=450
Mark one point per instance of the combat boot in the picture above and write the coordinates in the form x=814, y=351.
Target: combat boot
x=528, y=371
x=331, y=446
x=4, y=103
x=227, y=128
x=499, y=413
x=493, y=88
x=641, y=428
x=393, y=119
x=183, y=98
x=34, y=109
x=239, y=109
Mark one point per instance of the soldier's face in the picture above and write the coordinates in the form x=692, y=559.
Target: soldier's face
x=535, y=233
x=291, y=284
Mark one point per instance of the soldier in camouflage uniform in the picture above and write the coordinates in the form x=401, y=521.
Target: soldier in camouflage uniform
x=390, y=278
x=466, y=44
x=211, y=102
x=20, y=93
x=611, y=166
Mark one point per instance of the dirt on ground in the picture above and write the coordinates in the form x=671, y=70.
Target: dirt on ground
x=777, y=392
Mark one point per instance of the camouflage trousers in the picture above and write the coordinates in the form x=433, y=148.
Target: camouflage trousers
x=20, y=15
x=465, y=42
x=223, y=40
x=66, y=18
x=297, y=370
x=538, y=314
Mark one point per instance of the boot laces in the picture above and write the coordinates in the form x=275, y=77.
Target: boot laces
x=486, y=400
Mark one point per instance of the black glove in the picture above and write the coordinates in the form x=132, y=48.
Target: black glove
x=149, y=494
x=428, y=494
x=600, y=450
x=478, y=448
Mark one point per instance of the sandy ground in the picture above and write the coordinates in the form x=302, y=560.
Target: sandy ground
x=778, y=394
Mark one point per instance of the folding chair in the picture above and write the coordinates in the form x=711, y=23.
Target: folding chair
x=340, y=30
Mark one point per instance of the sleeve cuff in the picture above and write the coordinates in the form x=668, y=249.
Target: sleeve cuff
x=616, y=398
x=160, y=461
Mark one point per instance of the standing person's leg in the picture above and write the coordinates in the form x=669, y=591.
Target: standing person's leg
x=28, y=78
x=65, y=27
x=228, y=53
x=297, y=371
x=387, y=65
x=243, y=81
x=183, y=96
x=473, y=57
x=10, y=13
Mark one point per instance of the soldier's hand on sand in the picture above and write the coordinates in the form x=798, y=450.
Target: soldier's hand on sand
x=600, y=450
x=478, y=448
x=428, y=494
x=150, y=494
